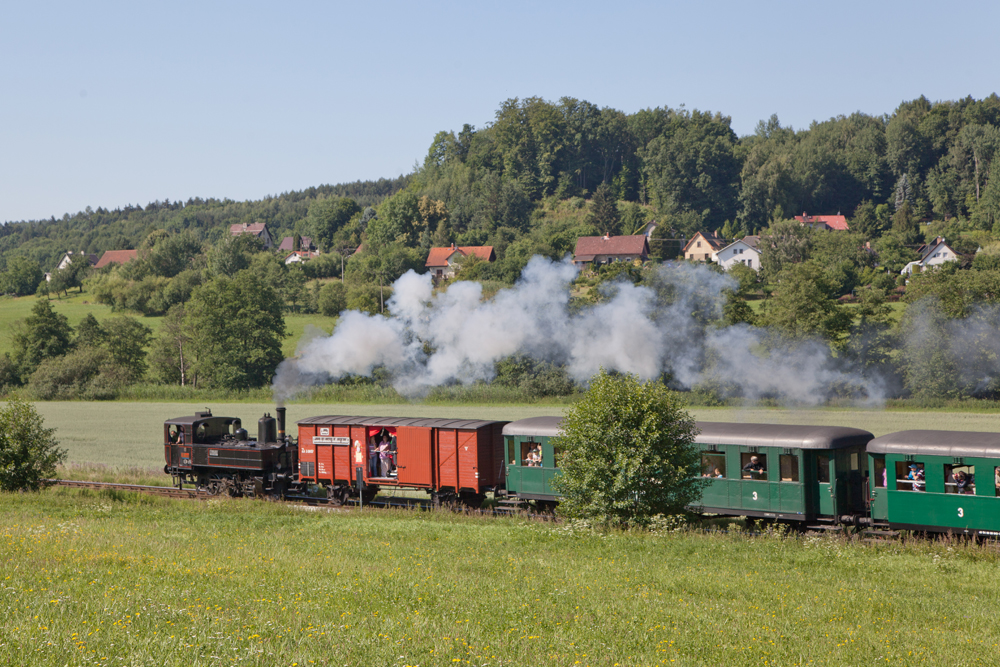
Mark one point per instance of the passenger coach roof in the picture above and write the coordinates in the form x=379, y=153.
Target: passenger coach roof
x=540, y=426
x=347, y=420
x=781, y=435
x=938, y=443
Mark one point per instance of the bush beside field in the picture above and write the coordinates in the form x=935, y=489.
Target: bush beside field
x=107, y=578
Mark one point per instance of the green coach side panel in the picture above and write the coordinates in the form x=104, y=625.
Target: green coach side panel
x=807, y=472
x=937, y=480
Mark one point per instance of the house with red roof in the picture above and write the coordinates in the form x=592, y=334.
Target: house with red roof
x=442, y=262
x=836, y=223
x=116, y=257
x=598, y=250
x=258, y=229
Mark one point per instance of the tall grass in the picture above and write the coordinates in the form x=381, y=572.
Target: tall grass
x=102, y=578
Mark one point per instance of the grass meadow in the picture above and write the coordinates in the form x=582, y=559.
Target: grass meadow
x=130, y=434
x=99, y=578
x=76, y=306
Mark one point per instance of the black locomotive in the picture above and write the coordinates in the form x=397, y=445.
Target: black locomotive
x=219, y=456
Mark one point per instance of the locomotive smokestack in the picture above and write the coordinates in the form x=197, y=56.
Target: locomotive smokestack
x=281, y=423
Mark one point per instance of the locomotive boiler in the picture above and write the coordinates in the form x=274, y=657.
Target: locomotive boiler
x=218, y=455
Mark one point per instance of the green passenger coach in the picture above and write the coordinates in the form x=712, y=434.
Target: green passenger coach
x=782, y=471
x=941, y=481
x=792, y=473
x=531, y=459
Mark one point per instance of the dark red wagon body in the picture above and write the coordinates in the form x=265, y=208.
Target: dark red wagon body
x=443, y=456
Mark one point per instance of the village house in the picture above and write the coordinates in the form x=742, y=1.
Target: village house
x=299, y=256
x=116, y=257
x=935, y=253
x=836, y=223
x=598, y=250
x=288, y=244
x=442, y=262
x=743, y=251
x=258, y=229
x=703, y=246
x=68, y=258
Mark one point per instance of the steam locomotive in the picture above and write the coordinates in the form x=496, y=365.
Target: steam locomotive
x=945, y=481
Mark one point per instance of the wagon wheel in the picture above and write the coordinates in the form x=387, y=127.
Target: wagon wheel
x=334, y=495
x=368, y=495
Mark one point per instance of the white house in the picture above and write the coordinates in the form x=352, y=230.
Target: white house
x=743, y=251
x=931, y=254
x=300, y=256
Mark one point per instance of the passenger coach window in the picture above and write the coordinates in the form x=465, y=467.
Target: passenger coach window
x=512, y=453
x=754, y=466
x=880, y=473
x=960, y=479
x=910, y=476
x=713, y=464
x=531, y=454
x=789, y=467
x=822, y=468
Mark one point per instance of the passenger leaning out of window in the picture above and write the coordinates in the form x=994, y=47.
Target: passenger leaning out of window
x=755, y=467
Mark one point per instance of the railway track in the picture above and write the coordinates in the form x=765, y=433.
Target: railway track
x=382, y=502
x=165, y=491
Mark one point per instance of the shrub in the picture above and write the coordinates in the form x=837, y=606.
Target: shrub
x=28, y=451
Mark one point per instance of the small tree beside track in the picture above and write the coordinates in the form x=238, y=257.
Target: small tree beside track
x=627, y=453
x=29, y=453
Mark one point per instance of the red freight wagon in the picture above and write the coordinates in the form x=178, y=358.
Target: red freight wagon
x=450, y=458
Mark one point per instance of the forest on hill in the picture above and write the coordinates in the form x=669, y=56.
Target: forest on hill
x=530, y=183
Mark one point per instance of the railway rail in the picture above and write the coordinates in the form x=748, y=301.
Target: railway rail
x=165, y=491
x=382, y=502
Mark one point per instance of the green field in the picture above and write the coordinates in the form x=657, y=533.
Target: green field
x=131, y=434
x=76, y=306
x=106, y=579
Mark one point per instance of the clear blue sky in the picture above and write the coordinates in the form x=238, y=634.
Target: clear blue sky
x=111, y=103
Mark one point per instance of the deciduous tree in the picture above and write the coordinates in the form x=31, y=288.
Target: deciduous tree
x=627, y=453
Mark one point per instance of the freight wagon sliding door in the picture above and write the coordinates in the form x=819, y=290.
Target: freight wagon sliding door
x=468, y=459
x=413, y=449
x=447, y=459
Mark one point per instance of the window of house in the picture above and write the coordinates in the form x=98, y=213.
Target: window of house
x=823, y=468
x=754, y=466
x=960, y=479
x=910, y=476
x=698, y=245
x=789, y=464
x=713, y=464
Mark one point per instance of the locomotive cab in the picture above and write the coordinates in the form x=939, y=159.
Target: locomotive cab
x=216, y=454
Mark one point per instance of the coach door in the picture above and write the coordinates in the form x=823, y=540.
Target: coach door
x=826, y=477
x=413, y=450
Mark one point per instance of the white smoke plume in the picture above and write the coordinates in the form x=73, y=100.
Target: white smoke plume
x=454, y=336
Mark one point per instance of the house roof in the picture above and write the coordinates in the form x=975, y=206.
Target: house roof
x=749, y=241
x=926, y=249
x=835, y=222
x=713, y=240
x=255, y=228
x=116, y=257
x=440, y=256
x=287, y=243
x=588, y=247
